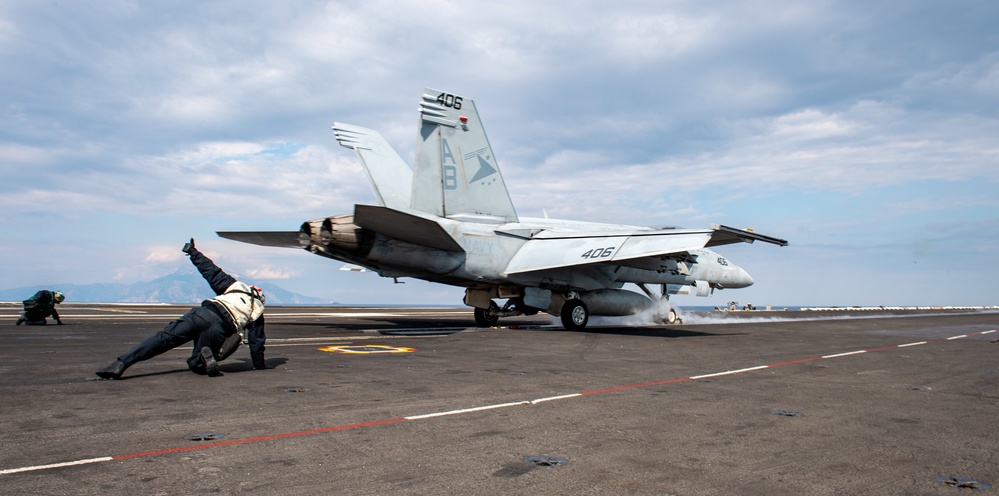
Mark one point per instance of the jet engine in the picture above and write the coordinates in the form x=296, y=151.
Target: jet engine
x=334, y=235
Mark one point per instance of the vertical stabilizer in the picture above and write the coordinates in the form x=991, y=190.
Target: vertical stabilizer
x=390, y=177
x=456, y=174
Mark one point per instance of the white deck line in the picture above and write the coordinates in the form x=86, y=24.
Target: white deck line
x=730, y=372
x=56, y=465
x=553, y=398
x=467, y=410
x=845, y=354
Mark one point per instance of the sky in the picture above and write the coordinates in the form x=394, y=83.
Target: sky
x=864, y=133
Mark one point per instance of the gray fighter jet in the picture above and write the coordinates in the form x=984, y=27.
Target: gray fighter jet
x=450, y=220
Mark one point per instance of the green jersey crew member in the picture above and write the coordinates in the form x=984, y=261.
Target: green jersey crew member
x=237, y=311
x=40, y=306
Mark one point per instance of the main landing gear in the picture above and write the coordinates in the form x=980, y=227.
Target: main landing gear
x=487, y=317
x=574, y=315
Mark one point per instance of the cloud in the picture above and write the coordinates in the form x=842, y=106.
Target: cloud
x=127, y=125
x=24, y=155
x=161, y=254
x=271, y=273
x=866, y=146
x=220, y=178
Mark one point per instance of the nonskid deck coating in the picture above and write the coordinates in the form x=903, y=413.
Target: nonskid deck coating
x=691, y=402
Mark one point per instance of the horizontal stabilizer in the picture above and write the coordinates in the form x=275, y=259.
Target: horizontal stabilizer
x=404, y=226
x=724, y=235
x=280, y=239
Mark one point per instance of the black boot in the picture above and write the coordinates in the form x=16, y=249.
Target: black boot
x=211, y=366
x=20, y=319
x=112, y=370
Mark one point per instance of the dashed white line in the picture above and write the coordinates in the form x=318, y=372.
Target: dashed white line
x=467, y=410
x=553, y=398
x=729, y=372
x=492, y=407
x=56, y=465
x=845, y=354
x=453, y=412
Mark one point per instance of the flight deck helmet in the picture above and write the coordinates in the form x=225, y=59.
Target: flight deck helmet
x=258, y=294
x=58, y=297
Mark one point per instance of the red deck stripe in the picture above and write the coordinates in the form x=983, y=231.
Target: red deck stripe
x=257, y=439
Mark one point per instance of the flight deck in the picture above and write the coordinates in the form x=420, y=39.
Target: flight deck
x=420, y=401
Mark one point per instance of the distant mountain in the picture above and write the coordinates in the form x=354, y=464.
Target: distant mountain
x=183, y=286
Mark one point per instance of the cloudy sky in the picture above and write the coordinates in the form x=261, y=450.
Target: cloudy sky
x=867, y=134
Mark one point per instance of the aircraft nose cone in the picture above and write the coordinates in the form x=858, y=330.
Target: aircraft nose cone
x=742, y=278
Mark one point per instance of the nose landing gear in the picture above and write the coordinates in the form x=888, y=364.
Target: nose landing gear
x=665, y=314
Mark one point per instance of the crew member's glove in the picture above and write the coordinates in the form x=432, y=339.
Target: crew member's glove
x=188, y=247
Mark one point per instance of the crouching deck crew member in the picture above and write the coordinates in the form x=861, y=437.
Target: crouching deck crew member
x=217, y=327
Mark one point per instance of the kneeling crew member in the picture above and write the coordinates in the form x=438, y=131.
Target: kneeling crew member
x=236, y=312
x=40, y=306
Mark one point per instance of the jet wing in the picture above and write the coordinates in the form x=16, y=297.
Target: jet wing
x=550, y=250
x=280, y=239
x=553, y=249
x=724, y=235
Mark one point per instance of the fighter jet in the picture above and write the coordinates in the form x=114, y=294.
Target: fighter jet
x=450, y=220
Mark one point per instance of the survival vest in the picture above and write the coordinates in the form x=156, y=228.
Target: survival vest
x=241, y=303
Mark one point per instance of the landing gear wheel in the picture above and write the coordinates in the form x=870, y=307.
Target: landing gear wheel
x=671, y=317
x=486, y=317
x=575, y=315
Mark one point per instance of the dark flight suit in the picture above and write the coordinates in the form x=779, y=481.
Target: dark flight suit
x=38, y=307
x=207, y=325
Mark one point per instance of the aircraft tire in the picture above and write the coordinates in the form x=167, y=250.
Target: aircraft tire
x=575, y=315
x=671, y=318
x=485, y=318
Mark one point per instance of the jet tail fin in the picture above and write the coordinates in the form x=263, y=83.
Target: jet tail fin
x=456, y=174
x=390, y=177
